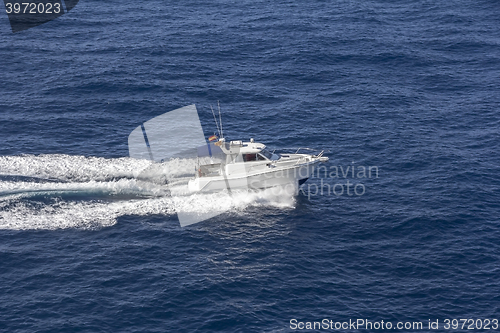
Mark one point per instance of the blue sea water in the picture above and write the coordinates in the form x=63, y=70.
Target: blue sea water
x=410, y=87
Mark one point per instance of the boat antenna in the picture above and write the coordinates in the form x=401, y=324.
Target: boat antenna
x=220, y=119
x=216, y=124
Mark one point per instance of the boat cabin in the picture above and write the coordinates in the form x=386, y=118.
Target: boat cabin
x=251, y=152
x=230, y=154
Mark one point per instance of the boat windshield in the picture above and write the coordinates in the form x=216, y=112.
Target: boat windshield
x=269, y=155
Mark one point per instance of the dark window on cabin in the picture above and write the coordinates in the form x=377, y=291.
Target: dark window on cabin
x=249, y=157
x=261, y=158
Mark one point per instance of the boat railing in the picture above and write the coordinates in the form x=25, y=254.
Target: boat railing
x=302, y=150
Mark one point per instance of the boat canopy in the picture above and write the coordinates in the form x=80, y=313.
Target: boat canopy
x=237, y=151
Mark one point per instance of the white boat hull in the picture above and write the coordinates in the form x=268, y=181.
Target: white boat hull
x=270, y=176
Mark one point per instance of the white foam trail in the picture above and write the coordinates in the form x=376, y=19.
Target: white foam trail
x=8, y=190
x=71, y=168
x=108, y=189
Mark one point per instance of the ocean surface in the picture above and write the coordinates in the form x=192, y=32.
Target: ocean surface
x=408, y=88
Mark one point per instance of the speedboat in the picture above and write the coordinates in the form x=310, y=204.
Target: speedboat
x=233, y=165
x=181, y=155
